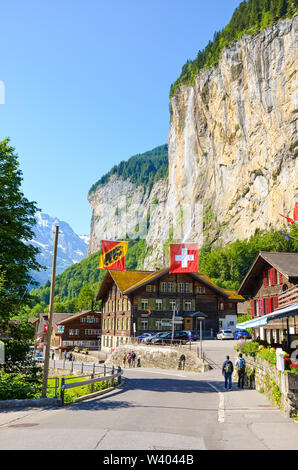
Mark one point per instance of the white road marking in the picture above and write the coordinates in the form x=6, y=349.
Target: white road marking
x=221, y=406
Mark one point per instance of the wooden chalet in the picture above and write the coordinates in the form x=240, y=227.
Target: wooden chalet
x=272, y=286
x=134, y=302
x=69, y=330
x=82, y=330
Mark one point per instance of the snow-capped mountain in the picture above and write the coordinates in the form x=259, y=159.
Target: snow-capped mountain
x=71, y=247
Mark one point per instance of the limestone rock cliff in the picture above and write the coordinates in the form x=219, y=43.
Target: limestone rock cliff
x=232, y=150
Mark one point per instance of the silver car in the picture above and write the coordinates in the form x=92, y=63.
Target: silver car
x=225, y=334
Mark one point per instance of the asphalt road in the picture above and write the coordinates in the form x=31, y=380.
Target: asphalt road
x=156, y=409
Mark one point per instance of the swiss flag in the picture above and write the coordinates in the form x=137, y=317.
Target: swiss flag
x=295, y=215
x=184, y=257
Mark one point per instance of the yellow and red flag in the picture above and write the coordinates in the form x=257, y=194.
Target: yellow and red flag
x=113, y=255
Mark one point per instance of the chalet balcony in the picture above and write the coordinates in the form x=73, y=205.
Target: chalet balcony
x=288, y=297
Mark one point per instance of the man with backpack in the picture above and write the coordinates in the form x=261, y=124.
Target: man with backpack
x=227, y=371
x=240, y=365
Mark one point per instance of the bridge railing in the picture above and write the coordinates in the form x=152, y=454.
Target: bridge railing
x=65, y=385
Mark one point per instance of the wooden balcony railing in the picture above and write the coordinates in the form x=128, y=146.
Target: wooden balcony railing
x=290, y=296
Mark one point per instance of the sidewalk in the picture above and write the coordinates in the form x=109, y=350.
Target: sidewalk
x=250, y=412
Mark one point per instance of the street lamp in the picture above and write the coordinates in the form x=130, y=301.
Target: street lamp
x=201, y=316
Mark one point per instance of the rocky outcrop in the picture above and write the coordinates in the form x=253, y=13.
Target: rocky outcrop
x=232, y=150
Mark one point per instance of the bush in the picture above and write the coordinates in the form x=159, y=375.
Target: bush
x=251, y=348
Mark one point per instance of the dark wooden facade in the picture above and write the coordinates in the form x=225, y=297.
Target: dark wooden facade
x=270, y=275
x=82, y=330
x=147, y=306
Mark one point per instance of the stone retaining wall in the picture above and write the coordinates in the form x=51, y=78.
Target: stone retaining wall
x=161, y=357
x=281, y=388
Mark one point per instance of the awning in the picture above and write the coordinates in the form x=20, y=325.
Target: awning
x=255, y=323
x=283, y=312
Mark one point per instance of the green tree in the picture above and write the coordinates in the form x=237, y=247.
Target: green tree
x=85, y=298
x=17, y=217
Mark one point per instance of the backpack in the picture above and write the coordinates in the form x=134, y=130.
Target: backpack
x=241, y=363
x=228, y=367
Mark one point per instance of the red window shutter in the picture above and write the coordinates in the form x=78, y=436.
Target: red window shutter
x=252, y=308
x=275, y=302
x=264, y=279
x=261, y=307
x=279, y=278
x=272, y=277
x=267, y=305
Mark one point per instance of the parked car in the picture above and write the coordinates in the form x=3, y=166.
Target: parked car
x=38, y=357
x=238, y=334
x=225, y=334
x=179, y=337
x=144, y=335
x=149, y=339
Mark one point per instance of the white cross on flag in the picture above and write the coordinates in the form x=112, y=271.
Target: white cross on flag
x=184, y=257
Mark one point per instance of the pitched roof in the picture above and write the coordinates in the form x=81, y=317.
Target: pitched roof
x=74, y=316
x=129, y=281
x=285, y=263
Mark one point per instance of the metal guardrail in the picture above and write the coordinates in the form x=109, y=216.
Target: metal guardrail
x=92, y=381
x=78, y=365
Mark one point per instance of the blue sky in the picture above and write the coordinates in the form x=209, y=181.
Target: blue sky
x=87, y=86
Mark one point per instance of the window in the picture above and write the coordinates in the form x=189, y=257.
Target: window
x=149, y=288
x=172, y=304
x=200, y=290
x=144, y=325
x=158, y=304
x=92, y=319
x=187, y=305
x=163, y=287
x=74, y=332
x=167, y=287
x=183, y=287
x=144, y=304
x=92, y=332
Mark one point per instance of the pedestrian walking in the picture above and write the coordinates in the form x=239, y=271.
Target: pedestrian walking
x=124, y=359
x=133, y=359
x=240, y=366
x=129, y=359
x=227, y=371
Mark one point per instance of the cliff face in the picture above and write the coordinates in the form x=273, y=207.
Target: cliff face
x=232, y=141
x=233, y=135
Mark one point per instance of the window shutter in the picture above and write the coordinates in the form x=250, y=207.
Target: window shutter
x=264, y=279
x=279, y=278
x=261, y=307
x=190, y=287
x=139, y=304
x=193, y=305
x=267, y=305
x=272, y=276
x=174, y=287
x=275, y=302
x=252, y=308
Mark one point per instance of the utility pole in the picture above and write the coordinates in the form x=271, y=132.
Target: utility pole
x=50, y=319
